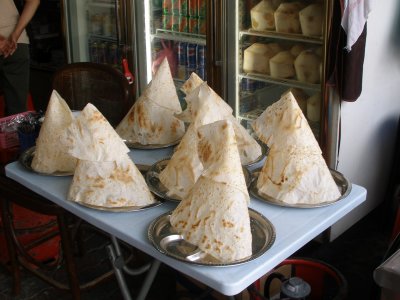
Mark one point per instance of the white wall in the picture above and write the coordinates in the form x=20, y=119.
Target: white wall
x=369, y=125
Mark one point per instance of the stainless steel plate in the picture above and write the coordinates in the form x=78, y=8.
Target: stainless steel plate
x=167, y=241
x=135, y=145
x=26, y=160
x=264, y=152
x=121, y=209
x=153, y=181
x=343, y=184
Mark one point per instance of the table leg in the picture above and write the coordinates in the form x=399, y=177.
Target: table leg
x=120, y=267
x=151, y=274
x=116, y=263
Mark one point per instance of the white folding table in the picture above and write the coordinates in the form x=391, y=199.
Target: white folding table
x=294, y=227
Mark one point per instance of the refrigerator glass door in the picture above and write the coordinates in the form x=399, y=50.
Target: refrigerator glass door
x=268, y=58
x=96, y=31
x=175, y=29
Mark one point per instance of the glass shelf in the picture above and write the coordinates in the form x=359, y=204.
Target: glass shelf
x=102, y=37
x=104, y=4
x=281, y=81
x=180, y=36
x=282, y=36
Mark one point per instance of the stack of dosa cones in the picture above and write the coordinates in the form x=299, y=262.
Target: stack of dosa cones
x=105, y=176
x=295, y=171
x=50, y=156
x=214, y=216
x=204, y=106
x=249, y=149
x=151, y=120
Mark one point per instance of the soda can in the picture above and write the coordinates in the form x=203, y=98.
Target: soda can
x=166, y=22
x=201, y=55
x=157, y=20
x=157, y=47
x=200, y=70
x=202, y=26
x=249, y=85
x=167, y=7
x=175, y=7
x=97, y=24
x=175, y=23
x=191, y=55
x=181, y=51
x=260, y=85
x=193, y=8
x=183, y=24
x=113, y=55
x=189, y=70
x=202, y=8
x=103, y=53
x=193, y=25
x=184, y=7
x=94, y=51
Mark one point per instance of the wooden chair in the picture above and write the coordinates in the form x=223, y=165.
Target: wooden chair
x=102, y=85
x=19, y=255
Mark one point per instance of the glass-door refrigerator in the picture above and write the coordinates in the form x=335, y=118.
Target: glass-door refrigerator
x=274, y=46
x=182, y=31
x=99, y=31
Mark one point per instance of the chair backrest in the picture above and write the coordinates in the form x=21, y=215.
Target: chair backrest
x=102, y=85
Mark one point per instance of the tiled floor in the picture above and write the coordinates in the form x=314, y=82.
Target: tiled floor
x=356, y=253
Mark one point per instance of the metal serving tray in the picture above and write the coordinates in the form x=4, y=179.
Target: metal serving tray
x=167, y=241
x=343, y=184
x=121, y=208
x=135, y=145
x=26, y=160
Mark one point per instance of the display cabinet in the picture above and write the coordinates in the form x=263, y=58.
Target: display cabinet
x=278, y=45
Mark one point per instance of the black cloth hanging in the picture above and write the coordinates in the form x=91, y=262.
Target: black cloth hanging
x=344, y=69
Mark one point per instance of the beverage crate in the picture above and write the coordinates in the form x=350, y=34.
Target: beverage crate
x=8, y=130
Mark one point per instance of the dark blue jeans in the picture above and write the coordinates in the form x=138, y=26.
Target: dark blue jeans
x=14, y=79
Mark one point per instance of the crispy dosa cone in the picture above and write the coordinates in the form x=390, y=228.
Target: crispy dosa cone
x=109, y=184
x=51, y=156
x=105, y=175
x=151, y=119
x=215, y=216
x=91, y=137
x=294, y=171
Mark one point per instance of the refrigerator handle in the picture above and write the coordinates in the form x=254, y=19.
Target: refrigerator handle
x=213, y=19
x=120, y=19
x=66, y=30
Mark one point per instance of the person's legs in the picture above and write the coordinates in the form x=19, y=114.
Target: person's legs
x=14, y=75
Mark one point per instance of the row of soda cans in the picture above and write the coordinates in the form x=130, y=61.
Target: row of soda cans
x=104, y=52
x=190, y=54
x=192, y=8
x=191, y=58
x=251, y=85
x=187, y=24
x=184, y=72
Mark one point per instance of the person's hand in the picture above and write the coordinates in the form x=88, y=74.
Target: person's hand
x=12, y=42
x=6, y=47
x=3, y=44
